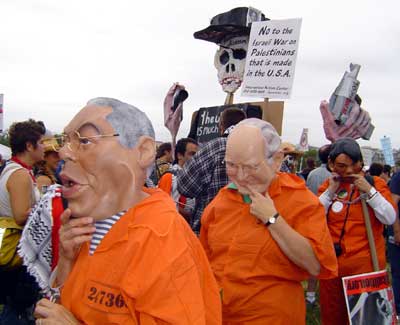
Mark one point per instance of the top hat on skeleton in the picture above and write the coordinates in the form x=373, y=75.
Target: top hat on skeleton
x=235, y=22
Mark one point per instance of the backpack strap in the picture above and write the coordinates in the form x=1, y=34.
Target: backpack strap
x=370, y=179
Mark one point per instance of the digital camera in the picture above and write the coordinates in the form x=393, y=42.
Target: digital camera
x=338, y=249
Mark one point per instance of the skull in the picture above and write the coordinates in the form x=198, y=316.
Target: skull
x=230, y=62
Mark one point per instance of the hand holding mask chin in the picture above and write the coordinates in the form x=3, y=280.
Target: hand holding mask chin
x=262, y=206
x=73, y=233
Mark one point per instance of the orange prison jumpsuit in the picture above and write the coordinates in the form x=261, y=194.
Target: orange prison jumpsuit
x=149, y=269
x=356, y=258
x=165, y=183
x=260, y=285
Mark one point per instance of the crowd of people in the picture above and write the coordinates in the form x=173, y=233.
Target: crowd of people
x=113, y=230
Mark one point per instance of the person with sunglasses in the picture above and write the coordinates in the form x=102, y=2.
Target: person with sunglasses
x=126, y=256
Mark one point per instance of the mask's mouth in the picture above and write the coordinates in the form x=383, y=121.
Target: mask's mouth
x=67, y=181
x=230, y=80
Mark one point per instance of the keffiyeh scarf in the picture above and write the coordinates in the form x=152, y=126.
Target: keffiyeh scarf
x=35, y=246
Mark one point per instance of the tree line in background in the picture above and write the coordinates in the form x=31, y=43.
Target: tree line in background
x=4, y=140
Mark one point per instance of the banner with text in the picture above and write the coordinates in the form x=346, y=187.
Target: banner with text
x=387, y=150
x=207, y=122
x=271, y=58
x=303, y=144
x=369, y=298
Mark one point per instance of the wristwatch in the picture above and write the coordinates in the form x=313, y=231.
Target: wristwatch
x=372, y=193
x=272, y=219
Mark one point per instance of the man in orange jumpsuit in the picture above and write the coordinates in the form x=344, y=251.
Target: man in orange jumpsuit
x=340, y=195
x=126, y=255
x=264, y=233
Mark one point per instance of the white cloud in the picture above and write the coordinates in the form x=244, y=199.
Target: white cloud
x=55, y=55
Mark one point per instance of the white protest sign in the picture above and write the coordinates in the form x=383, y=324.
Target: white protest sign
x=303, y=144
x=1, y=113
x=271, y=58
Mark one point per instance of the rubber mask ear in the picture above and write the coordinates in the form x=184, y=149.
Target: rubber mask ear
x=146, y=151
x=277, y=159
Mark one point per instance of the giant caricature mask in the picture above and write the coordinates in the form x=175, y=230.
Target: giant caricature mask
x=230, y=60
x=104, y=172
x=246, y=163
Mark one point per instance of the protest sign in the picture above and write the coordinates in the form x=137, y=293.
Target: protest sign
x=204, y=125
x=387, y=151
x=303, y=144
x=1, y=113
x=271, y=58
x=369, y=298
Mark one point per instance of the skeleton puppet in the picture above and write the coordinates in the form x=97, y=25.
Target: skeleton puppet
x=231, y=30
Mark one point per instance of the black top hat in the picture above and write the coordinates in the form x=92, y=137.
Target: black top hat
x=236, y=22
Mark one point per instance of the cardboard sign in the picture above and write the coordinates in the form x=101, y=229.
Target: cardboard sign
x=271, y=58
x=369, y=298
x=204, y=125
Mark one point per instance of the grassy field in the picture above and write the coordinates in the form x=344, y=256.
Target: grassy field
x=313, y=314
x=313, y=311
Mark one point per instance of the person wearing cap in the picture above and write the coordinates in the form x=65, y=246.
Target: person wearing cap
x=341, y=196
x=289, y=163
x=264, y=233
x=45, y=170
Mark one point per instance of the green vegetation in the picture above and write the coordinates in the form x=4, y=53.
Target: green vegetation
x=4, y=140
x=313, y=311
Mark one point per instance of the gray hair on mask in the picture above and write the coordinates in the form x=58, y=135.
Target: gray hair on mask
x=272, y=139
x=127, y=120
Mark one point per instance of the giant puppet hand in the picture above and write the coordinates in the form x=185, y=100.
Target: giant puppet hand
x=357, y=125
x=173, y=118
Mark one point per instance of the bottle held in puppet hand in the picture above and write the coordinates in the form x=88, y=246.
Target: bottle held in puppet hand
x=180, y=96
x=343, y=98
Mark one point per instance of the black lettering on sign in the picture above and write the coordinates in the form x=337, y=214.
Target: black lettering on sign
x=105, y=297
x=207, y=122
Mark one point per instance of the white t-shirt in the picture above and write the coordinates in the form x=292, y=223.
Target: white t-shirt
x=5, y=205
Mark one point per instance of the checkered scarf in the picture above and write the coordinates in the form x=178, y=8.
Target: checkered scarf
x=35, y=246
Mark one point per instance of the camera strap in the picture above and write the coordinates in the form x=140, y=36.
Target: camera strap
x=346, y=216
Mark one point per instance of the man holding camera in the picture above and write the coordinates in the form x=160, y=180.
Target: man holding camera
x=341, y=196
